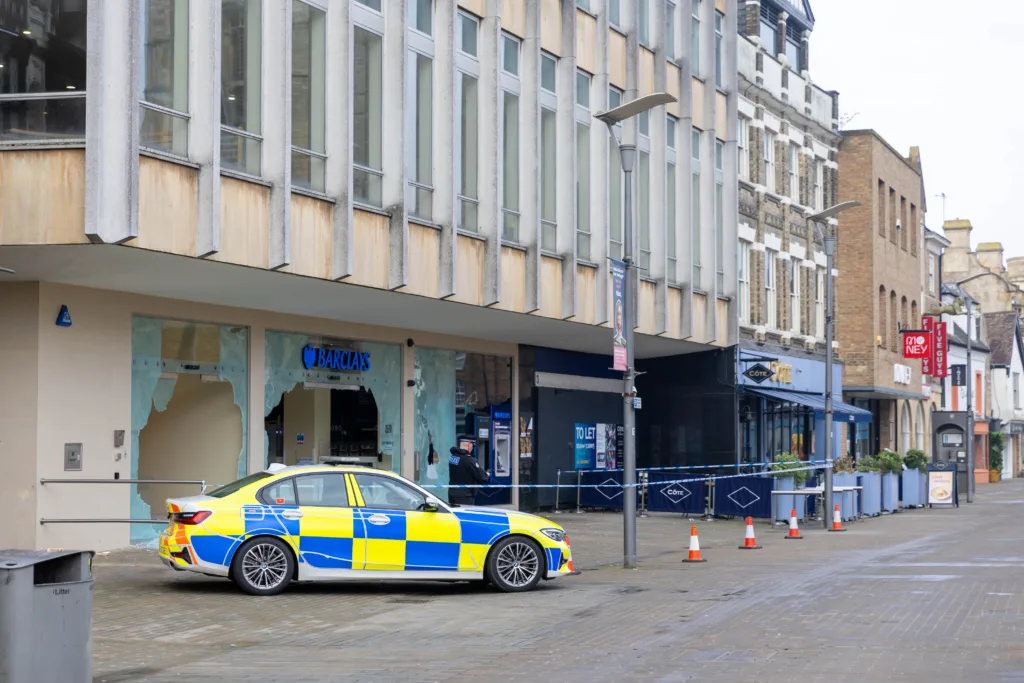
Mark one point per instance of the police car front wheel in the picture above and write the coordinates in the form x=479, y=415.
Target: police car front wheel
x=515, y=564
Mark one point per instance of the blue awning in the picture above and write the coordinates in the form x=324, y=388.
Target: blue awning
x=843, y=412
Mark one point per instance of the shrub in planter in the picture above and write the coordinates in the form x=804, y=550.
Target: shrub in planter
x=843, y=465
x=784, y=462
x=889, y=462
x=869, y=463
x=916, y=460
x=995, y=456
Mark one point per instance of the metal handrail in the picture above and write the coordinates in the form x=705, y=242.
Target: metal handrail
x=198, y=482
x=56, y=95
x=98, y=520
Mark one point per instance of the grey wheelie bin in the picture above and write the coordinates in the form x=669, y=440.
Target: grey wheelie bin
x=45, y=616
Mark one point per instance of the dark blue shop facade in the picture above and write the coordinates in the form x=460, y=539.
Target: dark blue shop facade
x=781, y=405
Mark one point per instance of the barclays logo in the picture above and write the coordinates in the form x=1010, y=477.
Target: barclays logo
x=335, y=359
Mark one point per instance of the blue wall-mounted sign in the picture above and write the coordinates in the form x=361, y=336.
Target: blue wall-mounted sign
x=335, y=359
x=64, y=317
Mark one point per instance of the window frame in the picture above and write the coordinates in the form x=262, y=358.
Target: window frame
x=315, y=155
x=400, y=483
x=671, y=49
x=162, y=110
x=368, y=21
x=743, y=278
x=696, y=218
x=819, y=302
x=743, y=148
x=769, y=159
x=819, y=185
x=794, y=173
x=238, y=132
x=770, y=288
x=719, y=70
x=420, y=44
x=719, y=215
x=795, y=299
x=695, y=38
x=549, y=103
x=510, y=86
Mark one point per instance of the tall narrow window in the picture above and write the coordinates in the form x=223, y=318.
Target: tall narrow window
x=771, y=318
x=743, y=271
x=794, y=296
x=881, y=207
x=614, y=200
x=819, y=303
x=510, y=138
x=164, y=76
x=883, y=316
x=372, y=4
x=743, y=144
x=583, y=191
x=644, y=210
x=893, y=216
x=894, y=315
x=719, y=67
x=421, y=16
x=670, y=221
x=903, y=223
x=794, y=173
x=1016, y=391
x=510, y=167
x=819, y=185
x=367, y=116
x=644, y=21
x=583, y=90
x=932, y=289
x=769, y=160
x=719, y=216
x=695, y=38
x=548, y=153
x=768, y=28
x=420, y=136
x=695, y=229
x=43, y=50
x=469, y=122
x=309, y=89
x=670, y=31
x=241, y=87
x=615, y=13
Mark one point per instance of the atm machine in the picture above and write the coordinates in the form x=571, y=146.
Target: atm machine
x=489, y=431
x=951, y=444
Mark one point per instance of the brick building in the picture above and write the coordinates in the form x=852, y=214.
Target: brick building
x=880, y=250
x=788, y=146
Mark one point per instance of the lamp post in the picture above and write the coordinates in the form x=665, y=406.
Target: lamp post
x=627, y=154
x=829, y=241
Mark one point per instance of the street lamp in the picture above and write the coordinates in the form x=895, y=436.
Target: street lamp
x=627, y=154
x=968, y=376
x=829, y=241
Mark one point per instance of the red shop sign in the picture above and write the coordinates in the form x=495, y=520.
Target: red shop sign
x=940, y=369
x=917, y=344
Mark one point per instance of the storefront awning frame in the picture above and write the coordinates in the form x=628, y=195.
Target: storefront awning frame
x=844, y=412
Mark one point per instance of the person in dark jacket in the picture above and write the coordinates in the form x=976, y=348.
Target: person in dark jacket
x=463, y=469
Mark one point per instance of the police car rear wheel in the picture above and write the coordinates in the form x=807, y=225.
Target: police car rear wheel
x=263, y=566
x=515, y=564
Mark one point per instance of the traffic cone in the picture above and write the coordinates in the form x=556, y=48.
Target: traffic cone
x=750, y=543
x=794, y=530
x=571, y=569
x=694, y=555
x=837, y=520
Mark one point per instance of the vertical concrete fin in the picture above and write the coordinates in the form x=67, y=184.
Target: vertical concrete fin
x=530, y=172
x=396, y=65
x=113, y=34
x=446, y=129
x=730, y=68
x=204, y=48
x=566, y=158
x=338, y=173
x=277, y=125
x=659, y=173
x=684, y=181
x=600, y=165
x=490, y=149
x=708, y=251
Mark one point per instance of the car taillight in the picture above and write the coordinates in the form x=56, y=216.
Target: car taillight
x=190, y=518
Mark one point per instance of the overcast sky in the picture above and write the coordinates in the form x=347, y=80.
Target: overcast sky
x=947, y=77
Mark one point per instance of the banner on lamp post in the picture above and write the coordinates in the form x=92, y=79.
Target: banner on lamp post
x=928, y=362
x=618, y=269
x=940, y=367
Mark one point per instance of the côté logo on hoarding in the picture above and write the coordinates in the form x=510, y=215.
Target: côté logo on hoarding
x=917, y=344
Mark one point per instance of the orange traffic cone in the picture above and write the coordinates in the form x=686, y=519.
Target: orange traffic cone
x=837, y=520
x=750, y=543
x=794, y=530
x=694, y=555
x=570, y=556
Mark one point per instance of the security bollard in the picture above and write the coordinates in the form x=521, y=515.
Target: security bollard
x=579, y=477
x=558, y=488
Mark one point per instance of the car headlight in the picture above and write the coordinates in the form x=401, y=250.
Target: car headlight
x=556, y=535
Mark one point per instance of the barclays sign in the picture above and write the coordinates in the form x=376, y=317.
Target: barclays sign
x=335, y=359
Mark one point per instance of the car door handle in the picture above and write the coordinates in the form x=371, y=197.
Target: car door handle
x=292, y=514
x=379, y=520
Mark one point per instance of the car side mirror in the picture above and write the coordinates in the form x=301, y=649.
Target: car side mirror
x=431, y=504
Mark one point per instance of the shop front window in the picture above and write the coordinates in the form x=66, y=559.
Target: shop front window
x=189, y=411
x=332, y=400
x=463, y=399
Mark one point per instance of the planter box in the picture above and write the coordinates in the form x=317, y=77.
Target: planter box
x=786, y=504
x=915, y=489
x=848, y=502
x=871, y=496
x=890, y=493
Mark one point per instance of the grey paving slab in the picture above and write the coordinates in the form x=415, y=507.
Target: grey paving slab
x=923, y=595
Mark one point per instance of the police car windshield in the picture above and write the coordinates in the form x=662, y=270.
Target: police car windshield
x=225, y=491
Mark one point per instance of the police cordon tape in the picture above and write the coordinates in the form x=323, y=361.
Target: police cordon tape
x=757, y=466
x=776, y=473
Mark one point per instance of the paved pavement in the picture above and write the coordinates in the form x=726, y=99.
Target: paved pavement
x=924, y=595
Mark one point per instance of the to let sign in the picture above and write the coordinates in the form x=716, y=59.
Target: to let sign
x=917, y=344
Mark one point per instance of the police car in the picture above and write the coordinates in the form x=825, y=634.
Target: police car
x=339, y=523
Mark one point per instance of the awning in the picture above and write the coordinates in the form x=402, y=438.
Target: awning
x=843, y=412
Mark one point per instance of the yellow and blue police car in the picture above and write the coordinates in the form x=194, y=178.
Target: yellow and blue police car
x=336, y=523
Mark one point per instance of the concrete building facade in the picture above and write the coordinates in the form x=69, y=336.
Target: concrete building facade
x=879, y=259
x=1004, y=291
x=235, y=224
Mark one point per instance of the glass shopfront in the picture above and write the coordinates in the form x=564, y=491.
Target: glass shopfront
x=332, y=400
x=190, y=411
x=463, y=399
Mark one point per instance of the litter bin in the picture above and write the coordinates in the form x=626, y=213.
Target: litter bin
x=45, y=616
